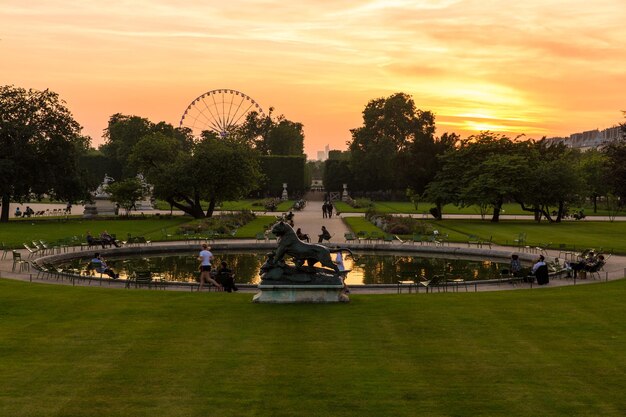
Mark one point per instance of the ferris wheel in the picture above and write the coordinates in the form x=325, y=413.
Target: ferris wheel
x=220, y=111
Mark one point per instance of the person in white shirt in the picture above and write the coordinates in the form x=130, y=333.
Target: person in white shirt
x=539, y=263
x=205, y=257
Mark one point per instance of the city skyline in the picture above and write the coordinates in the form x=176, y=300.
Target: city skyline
x=533, y=68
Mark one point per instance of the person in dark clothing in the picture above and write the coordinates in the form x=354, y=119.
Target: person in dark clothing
x=324, y=236
x=91, y=241
x=226, y=277
x=302, y=236
x=107, y=239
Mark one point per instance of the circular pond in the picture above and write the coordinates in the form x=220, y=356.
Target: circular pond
x=365, y=268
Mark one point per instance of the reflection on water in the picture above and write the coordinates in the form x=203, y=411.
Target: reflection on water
x=365, y=268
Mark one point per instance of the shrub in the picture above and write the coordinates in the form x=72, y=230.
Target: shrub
x=223, y=223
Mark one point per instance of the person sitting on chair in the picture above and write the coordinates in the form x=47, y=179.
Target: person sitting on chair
x=107, y=239
x=91, y=241
x=584, y=264
x=324, y=236
x=226, y=277
x=302, y=236
x=516, y=266
x=18, y=213
x=98, y=264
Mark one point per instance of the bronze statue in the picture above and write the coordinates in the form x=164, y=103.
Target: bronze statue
x=275, y=268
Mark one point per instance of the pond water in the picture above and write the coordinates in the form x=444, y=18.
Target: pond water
x=365, y=268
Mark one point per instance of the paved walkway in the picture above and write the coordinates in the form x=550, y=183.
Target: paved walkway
x=310, y=220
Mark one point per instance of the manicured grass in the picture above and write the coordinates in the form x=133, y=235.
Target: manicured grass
x=600, y=235
x=577, y=235
x=247, y=205
x=258, y=225
x=424, y=207
x=15, y=233
x=70, y=351
x=361, y=225
x=238, y=205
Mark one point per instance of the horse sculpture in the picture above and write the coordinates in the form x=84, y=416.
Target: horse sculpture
x=289, y=244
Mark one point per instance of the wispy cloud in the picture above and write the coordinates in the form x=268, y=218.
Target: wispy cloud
x=548, y=67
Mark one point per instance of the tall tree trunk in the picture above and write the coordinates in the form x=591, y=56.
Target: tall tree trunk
x=212, y=202
x=191, y=208
x=595, y=203
x=561, y=212
x=497, y=208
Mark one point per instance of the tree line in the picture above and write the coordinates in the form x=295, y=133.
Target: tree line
x=44, y=153
x=396, y=149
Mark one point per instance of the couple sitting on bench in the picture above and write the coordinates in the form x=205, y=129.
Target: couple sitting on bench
x=105, y=240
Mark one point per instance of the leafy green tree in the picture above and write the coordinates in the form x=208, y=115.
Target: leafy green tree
x=421, y=162
x=336, y=173
x=482, y=170
x=551, y=179
x=40, y=145
x=272, y=136
x=126, y=193
x=594, y=171
x=381, y=147
x=124, y=132
x=213, y=170
x=616, y=166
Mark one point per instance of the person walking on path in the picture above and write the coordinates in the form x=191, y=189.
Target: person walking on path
x=324, y=208
x=205, y=257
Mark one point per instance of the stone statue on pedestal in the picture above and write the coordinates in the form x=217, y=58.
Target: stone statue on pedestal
x=305, y=256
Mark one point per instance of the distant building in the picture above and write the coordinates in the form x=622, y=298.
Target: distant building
x=591, y=138
x=323, y=155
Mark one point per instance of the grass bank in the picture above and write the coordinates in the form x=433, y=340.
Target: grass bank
x=99, y=352
x=602, y=236
x=406, y=207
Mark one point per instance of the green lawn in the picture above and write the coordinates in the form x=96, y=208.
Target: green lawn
x=424, y=207
x=238, y=205
x=15, y=233
x=70, y=351
x=584, y=234
x=604, y=236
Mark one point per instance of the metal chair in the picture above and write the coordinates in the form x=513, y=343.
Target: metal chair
x=18, y=261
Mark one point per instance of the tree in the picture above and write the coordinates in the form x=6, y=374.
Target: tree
x=272, y=136
x=381, y=149
x=126, y=193
x=551, y=179
x=593, y=168
x=616, y=167
x=482, y=170
x=40, y=145
x=124, y=132
x=213, y=170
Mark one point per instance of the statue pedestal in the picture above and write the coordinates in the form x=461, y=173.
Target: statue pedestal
x=282, y=294
x=105, y=207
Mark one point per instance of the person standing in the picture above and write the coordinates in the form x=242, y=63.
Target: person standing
x=342, y=271
x=205, y=257
x=329, y=209
x=324, y=214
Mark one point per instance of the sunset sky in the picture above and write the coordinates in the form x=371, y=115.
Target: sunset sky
x=539, y=67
